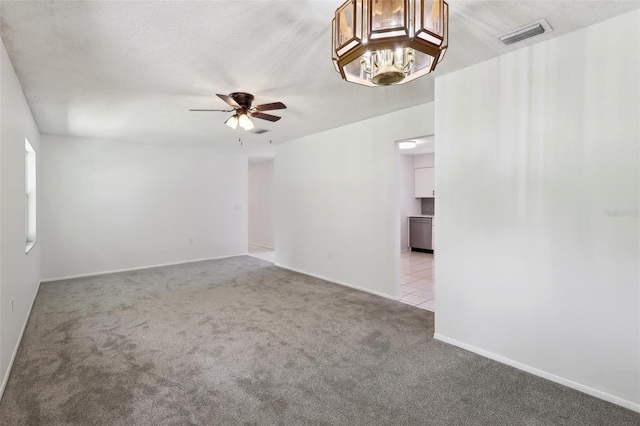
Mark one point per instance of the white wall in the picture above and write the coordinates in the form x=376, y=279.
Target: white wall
x=533, y=148
x=110, y=205
x=424, y=160
x=409, y=204
x=19, y=272
x=338, y=192
x=261, y=175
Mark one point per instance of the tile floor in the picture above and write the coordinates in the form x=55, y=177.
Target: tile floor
x=416, y=279
x=416, y=276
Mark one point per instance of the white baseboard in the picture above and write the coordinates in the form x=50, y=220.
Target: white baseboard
x=138, y=268
x=541, y=373
x=261, y=246
x=5, y=380
x=355, y=287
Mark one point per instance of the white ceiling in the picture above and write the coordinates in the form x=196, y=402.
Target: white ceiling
x=130, y=71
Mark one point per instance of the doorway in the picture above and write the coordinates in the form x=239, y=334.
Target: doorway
x=415, y=165
x=261, y=208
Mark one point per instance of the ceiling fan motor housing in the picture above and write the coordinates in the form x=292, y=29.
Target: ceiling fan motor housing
x=241, y=102
x=243, y=99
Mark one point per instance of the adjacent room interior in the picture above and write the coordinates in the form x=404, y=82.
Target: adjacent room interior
x=416, y=170
x=261, y=224
x=206, y=216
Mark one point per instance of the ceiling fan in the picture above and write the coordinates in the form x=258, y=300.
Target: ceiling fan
x=241, y=103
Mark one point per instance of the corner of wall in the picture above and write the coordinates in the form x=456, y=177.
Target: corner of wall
x=20, y=273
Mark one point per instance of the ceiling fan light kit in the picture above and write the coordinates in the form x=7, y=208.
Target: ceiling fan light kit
x=244, y=122
x=385, y=42
x=232, y=122
x=244, y=111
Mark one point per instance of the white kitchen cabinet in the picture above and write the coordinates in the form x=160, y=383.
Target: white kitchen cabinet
x=433, y=235
x=425, y=182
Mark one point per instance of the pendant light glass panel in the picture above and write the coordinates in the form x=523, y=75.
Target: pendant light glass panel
x=445, y=40
x=334, y=54
x=430, y=21
x=388, y=18
x=348, y=26
x=423, y=65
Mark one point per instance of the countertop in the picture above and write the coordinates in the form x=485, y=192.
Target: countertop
x=422, y=215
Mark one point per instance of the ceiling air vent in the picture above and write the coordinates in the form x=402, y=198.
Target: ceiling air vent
x=538, y=27
x=259, y=131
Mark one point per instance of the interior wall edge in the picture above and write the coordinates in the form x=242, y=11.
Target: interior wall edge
x=542, y=373
x=550, y=276
x=139, y=268
x=7, y=373
x=20, y=274
x=342, y=283
x=109, y=206
x=261, y=246
x=336, y=199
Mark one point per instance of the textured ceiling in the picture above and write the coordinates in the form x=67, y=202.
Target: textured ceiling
x=130, y=71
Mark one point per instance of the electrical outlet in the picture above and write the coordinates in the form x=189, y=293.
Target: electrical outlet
x=191, y=241
x=13, y=305
x=238, y=207
x=330, y=255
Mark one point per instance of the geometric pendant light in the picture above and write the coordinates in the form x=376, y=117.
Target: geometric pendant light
x=385, y=42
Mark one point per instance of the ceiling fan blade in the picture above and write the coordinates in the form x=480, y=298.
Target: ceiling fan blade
x=229, y=100
x=271, y=106
x=268, y=117
x=216, y=110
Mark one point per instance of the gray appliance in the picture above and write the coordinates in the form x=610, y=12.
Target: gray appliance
x=420, y=233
